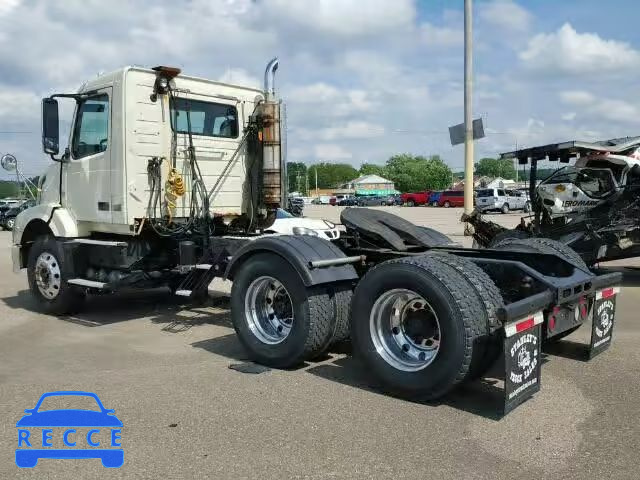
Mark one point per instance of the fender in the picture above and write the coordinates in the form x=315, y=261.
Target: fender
x=298, y=250
x=60, y=221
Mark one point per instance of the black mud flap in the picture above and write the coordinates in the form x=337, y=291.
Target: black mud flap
x=603, y=316
x=522, y=360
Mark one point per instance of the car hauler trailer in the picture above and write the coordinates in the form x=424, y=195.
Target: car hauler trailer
x=174, y=180
x=592, y=205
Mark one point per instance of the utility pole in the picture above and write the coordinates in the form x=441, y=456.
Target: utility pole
x=316, y=170
x=468, y=113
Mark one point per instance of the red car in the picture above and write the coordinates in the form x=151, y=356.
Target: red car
x=413, y=199
x=451, y=198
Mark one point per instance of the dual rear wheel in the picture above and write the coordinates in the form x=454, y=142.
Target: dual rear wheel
x=421, y=324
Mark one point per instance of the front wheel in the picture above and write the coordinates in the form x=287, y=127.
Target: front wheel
x=279, y=321
x=505, y=208
x=527, y=207
x=411, y=203
x=447, y=204
x=47, y=282
x=10, y=223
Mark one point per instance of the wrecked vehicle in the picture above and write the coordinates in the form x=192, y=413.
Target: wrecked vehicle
x=592, y=206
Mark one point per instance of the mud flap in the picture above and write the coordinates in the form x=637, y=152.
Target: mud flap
x=603, y=317
x=522, y=360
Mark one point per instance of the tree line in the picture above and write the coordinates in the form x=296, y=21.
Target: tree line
x=409, y=173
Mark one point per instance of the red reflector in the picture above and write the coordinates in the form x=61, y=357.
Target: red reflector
x=552, y=322
x=525, y=324
x=608, y=292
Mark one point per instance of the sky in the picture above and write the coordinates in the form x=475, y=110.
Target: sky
x=362, y=80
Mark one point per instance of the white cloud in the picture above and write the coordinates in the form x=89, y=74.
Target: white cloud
x=350, y=130
x=7, y=5
x=576, y=97
x=569, y=116
x=346, y=18
x=567, y=51
x=239, y=76
x=435, y=36
x=615, y=110
x=505, y=14
x=331, y=152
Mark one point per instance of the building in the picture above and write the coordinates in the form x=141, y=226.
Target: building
x=500, y=182
x=371, y=185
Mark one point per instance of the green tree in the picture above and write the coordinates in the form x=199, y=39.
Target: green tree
x=297, y=176
x=9, y=188
x=495, y=167
x=372, y=169
x=331, y=175
x=415, y=173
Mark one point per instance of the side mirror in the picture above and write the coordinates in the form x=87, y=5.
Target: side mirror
x=50, y=126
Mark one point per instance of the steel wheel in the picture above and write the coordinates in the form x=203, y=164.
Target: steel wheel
x=405, y=330
x=47, y=275
x=268, y=310
x=10, y=223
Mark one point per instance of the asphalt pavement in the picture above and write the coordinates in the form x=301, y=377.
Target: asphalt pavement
x=164, y=367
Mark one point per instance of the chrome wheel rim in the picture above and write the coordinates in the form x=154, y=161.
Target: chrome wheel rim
x=268, y=310
x=405, y=330
x=10, y=223
x=47, y=275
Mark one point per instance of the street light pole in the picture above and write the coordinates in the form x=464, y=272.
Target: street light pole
x=468, y=111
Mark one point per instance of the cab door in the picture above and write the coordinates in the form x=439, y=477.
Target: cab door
x=87, y=189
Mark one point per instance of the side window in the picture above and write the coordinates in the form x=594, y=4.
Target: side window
x=91, y=130
x=500, y=192
x=207, y=119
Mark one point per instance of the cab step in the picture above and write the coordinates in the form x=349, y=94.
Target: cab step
x=83, y=282
x=103, y=243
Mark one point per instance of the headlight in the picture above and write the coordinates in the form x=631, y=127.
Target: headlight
x=304, y=231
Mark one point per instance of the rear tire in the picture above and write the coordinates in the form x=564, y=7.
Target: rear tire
x=505, y=208
x=527, y=207
x=411, y=203
x=47, y=282
x=460, y=313
x=447, y=204
x=295, y=325
x=544, y=245
x=508, y=235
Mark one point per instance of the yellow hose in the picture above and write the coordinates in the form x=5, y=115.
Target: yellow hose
x=174, y=188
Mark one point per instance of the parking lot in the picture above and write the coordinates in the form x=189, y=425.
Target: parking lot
x=164, y=367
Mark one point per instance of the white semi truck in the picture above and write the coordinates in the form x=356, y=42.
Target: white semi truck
x=175, y=180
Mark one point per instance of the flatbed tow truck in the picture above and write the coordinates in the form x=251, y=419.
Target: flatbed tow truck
x=174, y=180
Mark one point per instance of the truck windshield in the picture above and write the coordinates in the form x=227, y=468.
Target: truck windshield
x=207, y=119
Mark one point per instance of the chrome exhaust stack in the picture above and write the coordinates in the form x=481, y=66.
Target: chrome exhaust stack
x=273, y=158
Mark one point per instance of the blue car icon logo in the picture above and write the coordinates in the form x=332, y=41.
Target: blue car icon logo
x=69, y=433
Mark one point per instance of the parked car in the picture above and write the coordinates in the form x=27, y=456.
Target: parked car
x=338, y=198
x=418, y=198
x=8, y=218
x=394, y=200
x=295, y=205
x=503, y=200
x=370, y=201
x=451, y=198
x=348, y=202
x=434, y=198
